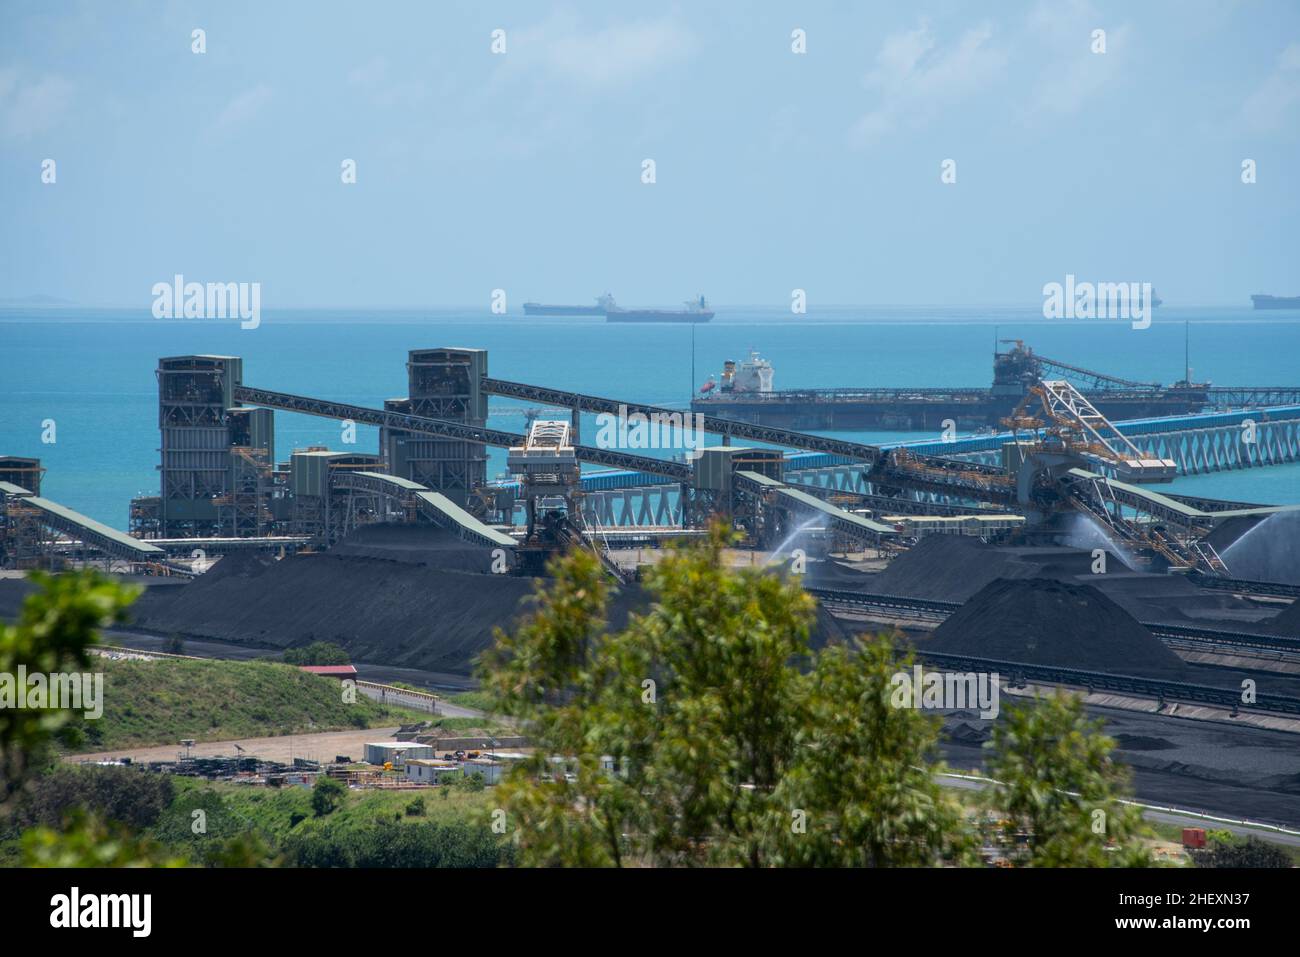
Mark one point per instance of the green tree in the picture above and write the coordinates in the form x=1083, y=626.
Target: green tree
x=86, y=841
x=862, y=791
x=129, y=795
x=318, y=653
x=1059, y=791
x=1228, y=850
x=54, y=633
x=326, y=795
x=714, y=736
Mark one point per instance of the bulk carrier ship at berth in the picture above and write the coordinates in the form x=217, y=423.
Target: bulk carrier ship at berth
x=746, y=393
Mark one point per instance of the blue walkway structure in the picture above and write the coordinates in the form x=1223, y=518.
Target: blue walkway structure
x=1197, y=443
x=1206, y=442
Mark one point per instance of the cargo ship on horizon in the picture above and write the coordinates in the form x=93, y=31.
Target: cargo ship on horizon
x=697, y=310
x=544, y=309
x=1263, y=301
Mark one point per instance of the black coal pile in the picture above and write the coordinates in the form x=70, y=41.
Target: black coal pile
x=1287, y=623
x=13, y=592
x=1143, y=742
x=955, y=567
x=833, y=574
x=416, y=544
x=965, y=730
x=403, y=609
x=1048, y=622
x=388, y=612
x=1172, y=599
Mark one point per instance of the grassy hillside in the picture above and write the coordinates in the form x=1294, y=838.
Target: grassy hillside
x=162, y=701
x=277, y=813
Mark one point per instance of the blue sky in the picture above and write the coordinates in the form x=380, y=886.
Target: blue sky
x=774, y=171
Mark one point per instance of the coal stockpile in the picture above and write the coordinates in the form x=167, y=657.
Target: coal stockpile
x=1287, y=623
x=13, y=592
x=833, y=574
x=1047, y=622
x=955, y=567
x=397, y=613
x=408, y=613
x=1172, y=599
x=416, y=544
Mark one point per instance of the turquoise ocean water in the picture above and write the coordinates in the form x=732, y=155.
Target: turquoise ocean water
x=92, y=371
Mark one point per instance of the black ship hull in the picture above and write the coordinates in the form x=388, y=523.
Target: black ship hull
x=539, y=309
x=1276, y=302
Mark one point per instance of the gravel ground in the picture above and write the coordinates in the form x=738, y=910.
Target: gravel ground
x=1202, y=766
x=315, y=747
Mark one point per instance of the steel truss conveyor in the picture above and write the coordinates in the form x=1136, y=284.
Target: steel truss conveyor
x=677, y=471
x=906, y=469
x=78, y=527
x=784, y=438
x=435, y=507
x=779, y=495
x=1219, y=397
x=925, y=472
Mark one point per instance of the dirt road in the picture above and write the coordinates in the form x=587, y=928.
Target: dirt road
x=314, y=747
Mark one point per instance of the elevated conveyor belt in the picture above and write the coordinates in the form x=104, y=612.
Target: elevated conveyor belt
x=1169, y=507
x=885, y=505
x=1244, y=586
x=905, y=469
x=436, y=507
x=83, y=528
x=781, y=495
x=676, y=471
x=785, y=438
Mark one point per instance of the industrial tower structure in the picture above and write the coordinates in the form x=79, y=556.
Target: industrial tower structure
x=216, y=456
x=442, y=384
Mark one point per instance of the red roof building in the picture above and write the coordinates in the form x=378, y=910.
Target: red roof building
x=331, y=671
